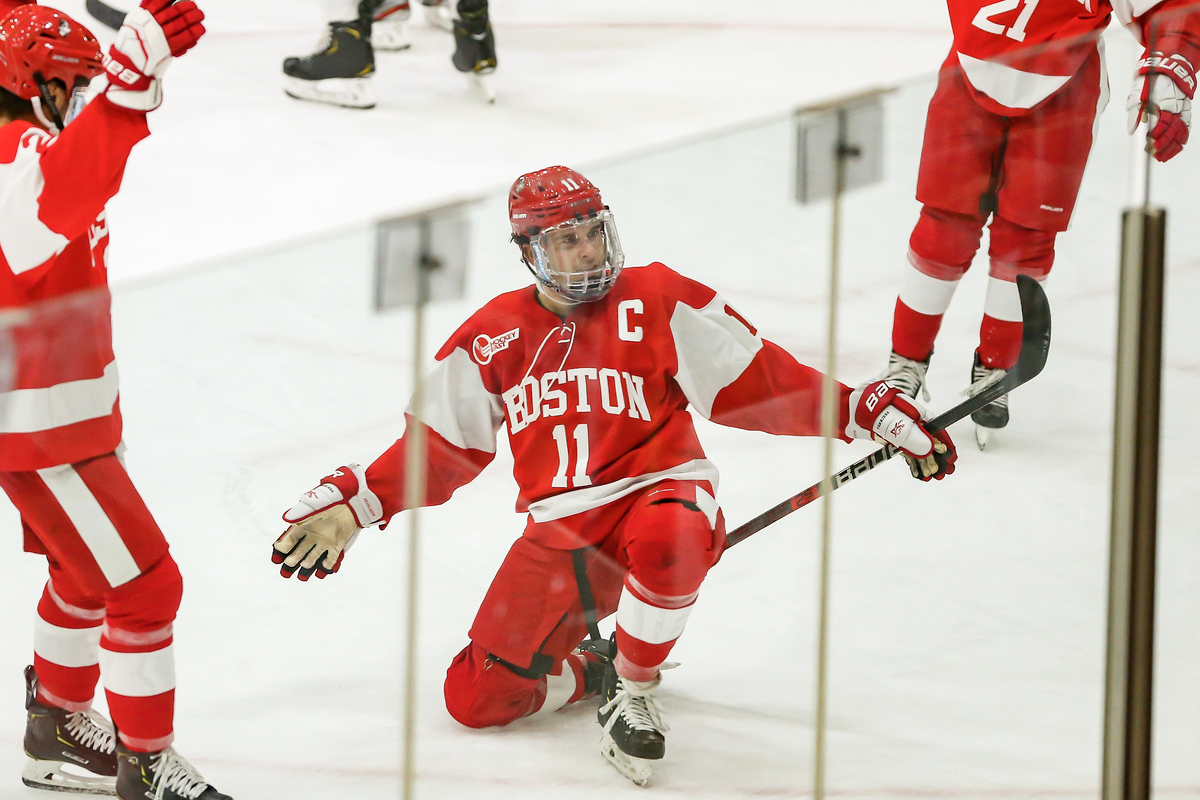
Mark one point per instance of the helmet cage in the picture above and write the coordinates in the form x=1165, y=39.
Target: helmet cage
x=565, y=257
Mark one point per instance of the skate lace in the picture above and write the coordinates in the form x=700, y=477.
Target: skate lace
x=985, y=377
x=640, y=711
x=92, y=732
x=907, y=375
x=174, y=773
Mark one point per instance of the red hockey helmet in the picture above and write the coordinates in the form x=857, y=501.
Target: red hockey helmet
x=560, y=215
x=41, y=44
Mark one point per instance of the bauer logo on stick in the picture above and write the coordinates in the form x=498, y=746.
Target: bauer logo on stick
x=485, y=346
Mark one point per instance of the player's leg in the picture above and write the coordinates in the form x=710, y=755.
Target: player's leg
x=389, y=25
x=671, y=537
x=62, y=730
x=339, y=72
x=958, y=162
x=1044, y=163
x=475, y=47
x=522, y=657
x=96, y=527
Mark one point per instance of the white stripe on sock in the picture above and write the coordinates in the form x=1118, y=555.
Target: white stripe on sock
x=649, y=623
x=66, y=647
x=559, y=689
x=1003, y=300
x=926, y=295
x=138, y=674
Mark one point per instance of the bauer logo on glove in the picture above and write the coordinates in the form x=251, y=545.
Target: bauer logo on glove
x=879, y=411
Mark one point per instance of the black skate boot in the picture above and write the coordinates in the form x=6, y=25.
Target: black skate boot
x=69, y=751
x=475, y=47
x=907, y=375
x=339, y=72
x=164, y=775
x=633, y=725
x=598, y=657
x=995, y=414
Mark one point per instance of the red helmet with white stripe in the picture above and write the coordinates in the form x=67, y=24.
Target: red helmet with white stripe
x=574, y=251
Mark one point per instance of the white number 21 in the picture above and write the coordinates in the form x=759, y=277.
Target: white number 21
x=580, y=478
x=984, y=22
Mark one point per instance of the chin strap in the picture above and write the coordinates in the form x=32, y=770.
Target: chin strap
x=45, y=102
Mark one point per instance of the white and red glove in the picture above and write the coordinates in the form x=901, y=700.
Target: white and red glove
x=150, y=37
x=325, y=523
x=1162, y=96
x=879, y=411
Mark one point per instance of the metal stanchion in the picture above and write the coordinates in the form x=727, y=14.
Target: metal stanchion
x=830, y=141
x=1130, y=668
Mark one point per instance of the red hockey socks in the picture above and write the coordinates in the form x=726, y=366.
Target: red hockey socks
x=647, y=626
x=941, y=249
x=137, y=659
x=1014, y=250
x=66, y=646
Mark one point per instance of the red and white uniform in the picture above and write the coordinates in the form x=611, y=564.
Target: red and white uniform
x=596, y=406
x=606, y=457
x=113, y=589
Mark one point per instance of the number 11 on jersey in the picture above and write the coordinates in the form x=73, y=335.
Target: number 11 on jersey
x=580, y=478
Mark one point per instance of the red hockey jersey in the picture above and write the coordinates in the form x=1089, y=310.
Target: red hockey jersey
x=596, y=404
x=1017, y=53
x=58, y=375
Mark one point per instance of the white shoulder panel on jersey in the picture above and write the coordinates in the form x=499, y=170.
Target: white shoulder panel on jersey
x=713, y=348
x=1128, y=10
x=459, y=407
x=24, y=239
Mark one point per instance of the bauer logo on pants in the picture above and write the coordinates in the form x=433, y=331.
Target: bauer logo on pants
x=485, y=346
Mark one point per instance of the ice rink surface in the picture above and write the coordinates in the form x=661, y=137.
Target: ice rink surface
x=968, y=616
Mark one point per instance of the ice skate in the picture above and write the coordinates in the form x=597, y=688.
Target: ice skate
x=633, y=726
x=69, y=751
x=389, y=27
x=164, y=775
x=437, y=15
x=475, y=48
x=339, y=72
x=907, y=375
x=995, y=414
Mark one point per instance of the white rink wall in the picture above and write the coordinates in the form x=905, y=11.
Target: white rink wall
x=968, y=615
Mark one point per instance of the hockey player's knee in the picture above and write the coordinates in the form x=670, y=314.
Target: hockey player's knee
x=1017, y=250
x=482, y=693
x=149, y=602
x=671, y=546
x=944, y=243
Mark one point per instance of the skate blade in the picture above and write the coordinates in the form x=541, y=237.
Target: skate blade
x=50, y=775
x=482, y=86
x=390, y=36
x=345, y=92
x=635, y=769
x=983, y=436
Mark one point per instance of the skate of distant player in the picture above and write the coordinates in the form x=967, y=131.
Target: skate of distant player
x=108, y=607
x=1008, y=135
x=340, y=71
x=592, y=370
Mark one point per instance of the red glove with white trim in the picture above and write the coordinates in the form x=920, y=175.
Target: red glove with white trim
x=148, y=39
x=325, y=523
x=1165, y=101
x=879, y=411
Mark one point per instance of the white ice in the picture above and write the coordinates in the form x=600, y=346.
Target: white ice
x=968, y=616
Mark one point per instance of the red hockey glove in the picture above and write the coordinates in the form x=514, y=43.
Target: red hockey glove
x=325, y=523
x=147, y=41
x=1165, y=101
x=879, y=411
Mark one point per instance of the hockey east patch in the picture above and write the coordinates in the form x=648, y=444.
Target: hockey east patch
x=484, y=346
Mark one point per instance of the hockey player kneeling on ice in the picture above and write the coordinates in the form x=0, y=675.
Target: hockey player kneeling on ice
x=339, y=72
x=108, y=607
x=592, y=370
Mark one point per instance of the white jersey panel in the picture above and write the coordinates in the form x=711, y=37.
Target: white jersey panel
x=713, y=349
x=1128, y=10
x=1010, y=87
x=459, y=407
x=24, y=239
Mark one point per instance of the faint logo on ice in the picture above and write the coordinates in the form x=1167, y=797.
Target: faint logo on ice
x=484, y=346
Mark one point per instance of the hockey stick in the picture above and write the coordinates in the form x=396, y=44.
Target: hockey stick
x=1035, y=346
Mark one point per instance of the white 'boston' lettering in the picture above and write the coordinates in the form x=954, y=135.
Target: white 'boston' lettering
x=612, y=400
